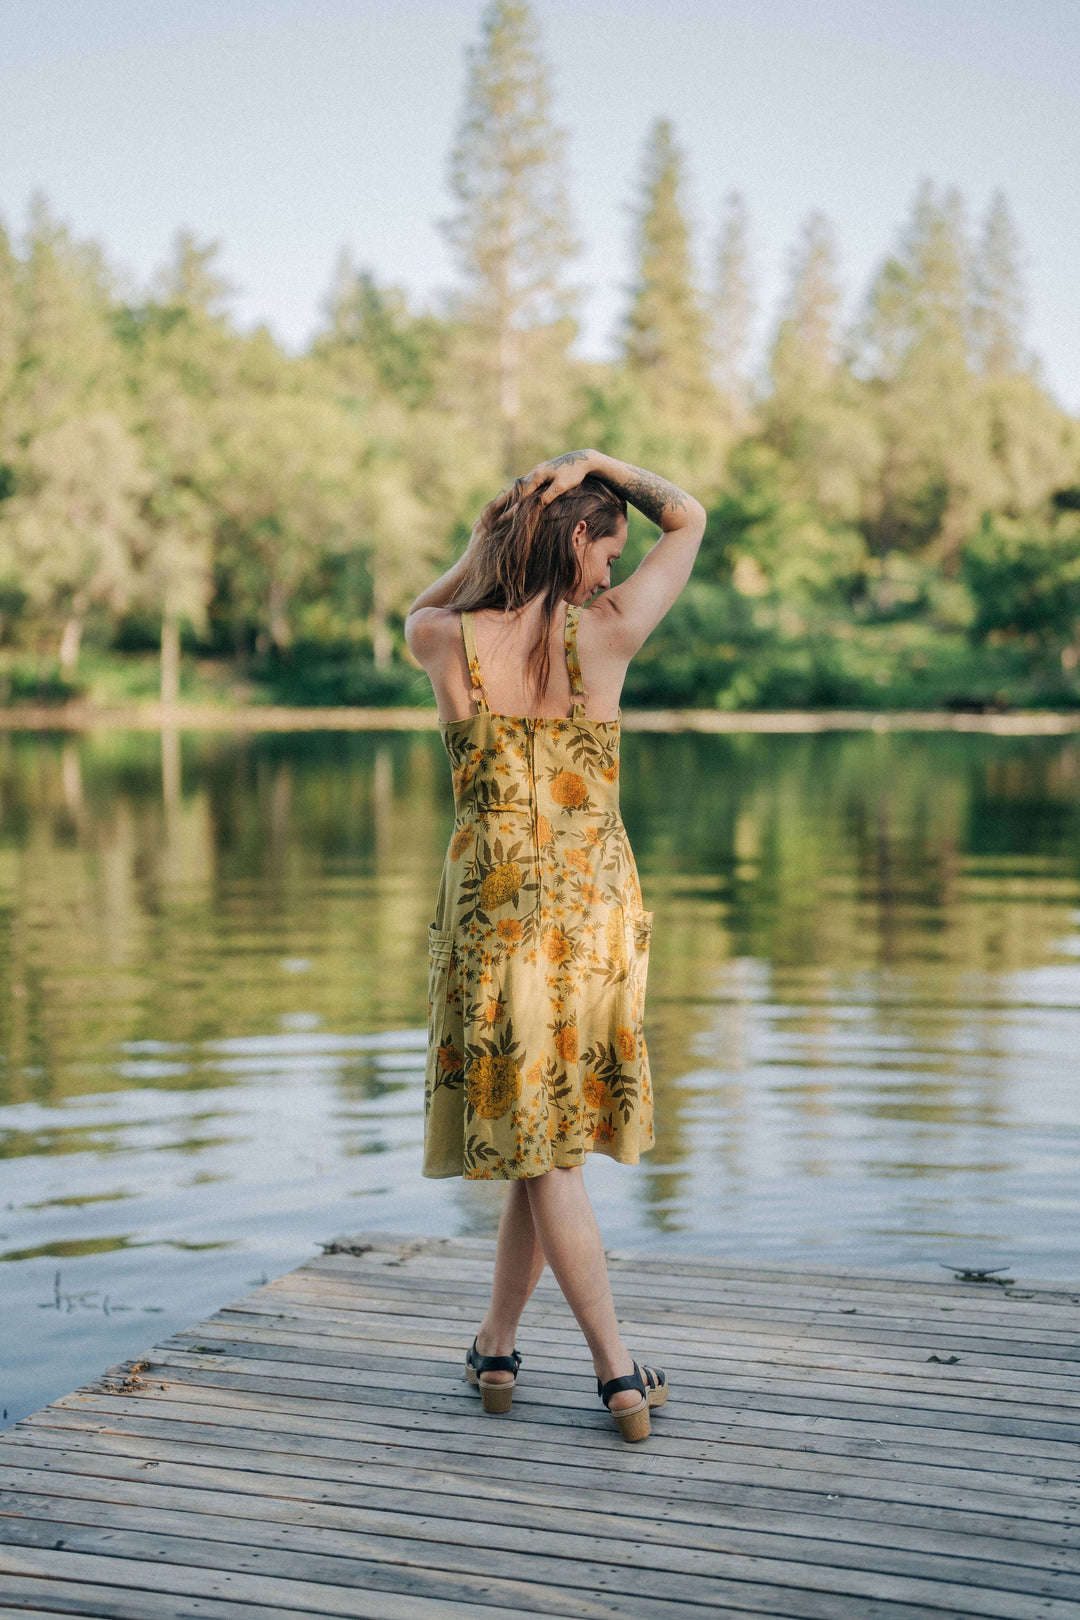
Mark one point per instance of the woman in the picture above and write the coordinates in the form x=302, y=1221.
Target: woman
x=539, y=948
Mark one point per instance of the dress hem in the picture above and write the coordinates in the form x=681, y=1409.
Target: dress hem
x=526, y=1175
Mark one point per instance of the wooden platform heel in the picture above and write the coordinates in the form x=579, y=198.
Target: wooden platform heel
x=634, y=1422
x=494, y=1397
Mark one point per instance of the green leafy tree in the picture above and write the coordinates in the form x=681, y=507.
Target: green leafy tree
x=284, y=468
x=1027, y=584
x=182, y=360
x=511, y=231
x=74, y=474
x=70, y=531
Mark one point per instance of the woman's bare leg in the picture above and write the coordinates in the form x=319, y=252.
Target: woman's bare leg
x=567, y=1229
x=519, y=1261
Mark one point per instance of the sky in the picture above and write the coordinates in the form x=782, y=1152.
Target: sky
x=289, y=129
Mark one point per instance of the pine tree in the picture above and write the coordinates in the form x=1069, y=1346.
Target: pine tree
x=666, y=345
x=512, y=229
x=816, y=414
x=9, y=332
x=998, y=295
x=918, y=310
x=806, y=348
x=733, y=305
x=916, y=350
x=69, y=359
x=374, y=343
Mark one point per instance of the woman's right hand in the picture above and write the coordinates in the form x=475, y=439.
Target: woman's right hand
x=555, y=477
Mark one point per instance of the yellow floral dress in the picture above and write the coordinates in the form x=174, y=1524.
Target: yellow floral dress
x=538, y=954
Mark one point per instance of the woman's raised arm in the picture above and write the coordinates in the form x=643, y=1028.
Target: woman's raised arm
x=640, y=602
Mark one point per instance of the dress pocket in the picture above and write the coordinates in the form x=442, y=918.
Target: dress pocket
x=440, y=961
x=639, y=927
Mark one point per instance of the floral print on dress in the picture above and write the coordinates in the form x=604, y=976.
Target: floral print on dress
x=538, y=955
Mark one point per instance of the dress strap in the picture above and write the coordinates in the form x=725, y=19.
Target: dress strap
x=468, y=635
x=573, y=667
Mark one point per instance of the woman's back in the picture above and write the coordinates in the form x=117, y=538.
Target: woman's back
x=503, y=643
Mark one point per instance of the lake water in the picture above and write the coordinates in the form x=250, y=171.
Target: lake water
x=863, y=1014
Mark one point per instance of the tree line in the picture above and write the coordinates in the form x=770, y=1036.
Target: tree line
x=894, y=494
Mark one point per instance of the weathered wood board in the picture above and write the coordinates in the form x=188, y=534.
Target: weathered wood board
x=849, y=1446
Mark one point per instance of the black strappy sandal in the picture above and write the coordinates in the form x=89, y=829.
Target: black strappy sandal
x=495, y=1397
x=633, y=1421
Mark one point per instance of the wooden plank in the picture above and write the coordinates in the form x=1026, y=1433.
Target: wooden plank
x=313, y=1448
x=1062, y=1348
x=384, y=1530
x=434, y=1494
x=706, y=1300
x=475, y=1273
x=401, y=1291
x=117, y=1603
x=690, y=1285
x=975, y=1409
x=110, y=1602
x=402, y=1248
x=560, y=1441
x=595, y=1463
x=298, y=1356
x=844, y=1372
x=1045, y=1306
x=1011, y=1540
x=556, y=1404
x=1019, y=1539
x=1015, y=1337
x=269, y=1593
x=813, y=1593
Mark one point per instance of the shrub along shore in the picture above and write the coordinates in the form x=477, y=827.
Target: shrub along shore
x=277, y=717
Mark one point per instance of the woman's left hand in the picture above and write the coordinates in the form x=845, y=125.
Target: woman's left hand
x=558, y=475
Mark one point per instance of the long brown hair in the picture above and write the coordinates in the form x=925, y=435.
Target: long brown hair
x=523, y=550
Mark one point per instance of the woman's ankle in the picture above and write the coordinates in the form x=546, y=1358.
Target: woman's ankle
x=613, y=1364
x=494, y=1341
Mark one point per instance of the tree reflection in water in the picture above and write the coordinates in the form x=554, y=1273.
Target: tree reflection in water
x=864, y=1001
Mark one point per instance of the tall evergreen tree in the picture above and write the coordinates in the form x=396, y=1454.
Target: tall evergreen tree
x=816, y=415
x=9, y=331
x=666, y=344
x=998, y=295
x=69, y=360
x=916, y=347
x=374, y=343
x=806, y=348
x=511, y=229
x=918, y=308
x=733, y=304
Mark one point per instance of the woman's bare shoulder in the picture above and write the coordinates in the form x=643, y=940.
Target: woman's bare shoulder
x=600, y=622
x=429, y=630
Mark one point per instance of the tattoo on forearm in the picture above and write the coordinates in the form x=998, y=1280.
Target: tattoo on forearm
x=651, y=495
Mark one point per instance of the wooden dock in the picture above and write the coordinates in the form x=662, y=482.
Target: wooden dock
x=844, y=1446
